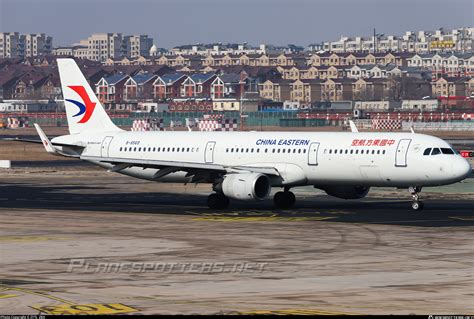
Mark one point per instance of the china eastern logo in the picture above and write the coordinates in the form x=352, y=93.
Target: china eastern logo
x=86, y=108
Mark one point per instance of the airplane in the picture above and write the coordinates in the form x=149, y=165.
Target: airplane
x=247, y=165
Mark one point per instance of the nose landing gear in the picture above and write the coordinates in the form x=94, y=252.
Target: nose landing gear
x=416, y=204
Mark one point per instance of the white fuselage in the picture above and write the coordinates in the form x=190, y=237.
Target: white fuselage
x=301, y=158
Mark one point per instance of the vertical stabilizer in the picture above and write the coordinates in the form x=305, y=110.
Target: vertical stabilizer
x=84, y=111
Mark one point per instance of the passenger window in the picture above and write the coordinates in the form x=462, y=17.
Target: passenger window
x=120, y=149
x=251, y=150
x=278, y=151
x=258, y=150
x=330, y=151
x=177, y=149
x=304, y=151
x=169, y=149
x=435, y=151
x=241, y=150
x=357, y=151
x=273, y=150
x=294, y=150
x=427, y=151
x=373, y=151
x=266, y=150
x=236, y=150
x=149, y=149
x=352, y=151
x=346, y=151
x=378, y=151
x=247, y=150
x=299, y=151
x=134, y=149
x=447, y=151
x=187, y=150
x=192, y=150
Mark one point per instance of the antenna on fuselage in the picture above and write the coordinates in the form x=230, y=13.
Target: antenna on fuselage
x=353, y=127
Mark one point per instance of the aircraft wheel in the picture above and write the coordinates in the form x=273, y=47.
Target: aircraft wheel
x=417, y=205
x=217, y=201
x=284, y=200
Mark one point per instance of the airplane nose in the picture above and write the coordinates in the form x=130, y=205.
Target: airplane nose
x=462, y=169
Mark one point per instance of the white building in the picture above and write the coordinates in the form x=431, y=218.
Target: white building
x=460, y=40
x=420, y=105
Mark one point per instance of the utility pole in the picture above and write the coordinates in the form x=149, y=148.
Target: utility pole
x=374, y=40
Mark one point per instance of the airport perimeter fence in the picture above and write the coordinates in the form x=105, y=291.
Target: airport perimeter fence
x=255, y=119
x=439, y=126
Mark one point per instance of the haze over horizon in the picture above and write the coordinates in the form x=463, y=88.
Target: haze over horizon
x=278, y=22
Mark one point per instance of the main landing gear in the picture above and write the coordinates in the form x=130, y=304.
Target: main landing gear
x=416, y=204
x=285, y=199
x=217, y=201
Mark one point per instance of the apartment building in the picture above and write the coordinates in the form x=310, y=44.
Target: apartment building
x=109, y=46
x=461, y=40
x=137, y=46
x=16, y=45
x=37, y=44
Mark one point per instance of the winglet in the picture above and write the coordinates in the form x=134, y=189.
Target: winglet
x=353, y=127
x=46, y=142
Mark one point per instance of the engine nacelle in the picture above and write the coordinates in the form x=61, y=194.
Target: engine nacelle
x=347, y=192
x=251, y=186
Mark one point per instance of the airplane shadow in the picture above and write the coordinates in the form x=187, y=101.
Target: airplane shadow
x=371, y=210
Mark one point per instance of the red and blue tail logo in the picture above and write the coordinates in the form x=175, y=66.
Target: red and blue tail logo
x=86, y=108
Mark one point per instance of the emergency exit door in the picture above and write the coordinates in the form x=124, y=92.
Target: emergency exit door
x=313, y=154
x=209, y=154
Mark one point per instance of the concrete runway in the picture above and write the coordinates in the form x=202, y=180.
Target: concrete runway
x=66, y=232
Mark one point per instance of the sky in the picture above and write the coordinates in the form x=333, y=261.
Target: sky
x=278, y=22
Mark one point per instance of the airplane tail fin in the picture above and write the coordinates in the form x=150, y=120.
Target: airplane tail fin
x=84, y=111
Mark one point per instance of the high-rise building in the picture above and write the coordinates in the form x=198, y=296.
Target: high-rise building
x=16, y=45
x=102, y=46
x=37, y=44
x=137, y=45
x=11, y=45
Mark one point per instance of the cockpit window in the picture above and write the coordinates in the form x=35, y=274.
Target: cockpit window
x=446, y=150
x=427, y=151
x=435, y=151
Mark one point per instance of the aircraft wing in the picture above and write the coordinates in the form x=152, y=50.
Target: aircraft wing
x=173, y=166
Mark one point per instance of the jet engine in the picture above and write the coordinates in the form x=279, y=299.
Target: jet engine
x=248, y=186
x=347, y=192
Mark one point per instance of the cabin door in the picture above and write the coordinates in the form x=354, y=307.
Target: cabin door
x=104, y=149
x=402, y=152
